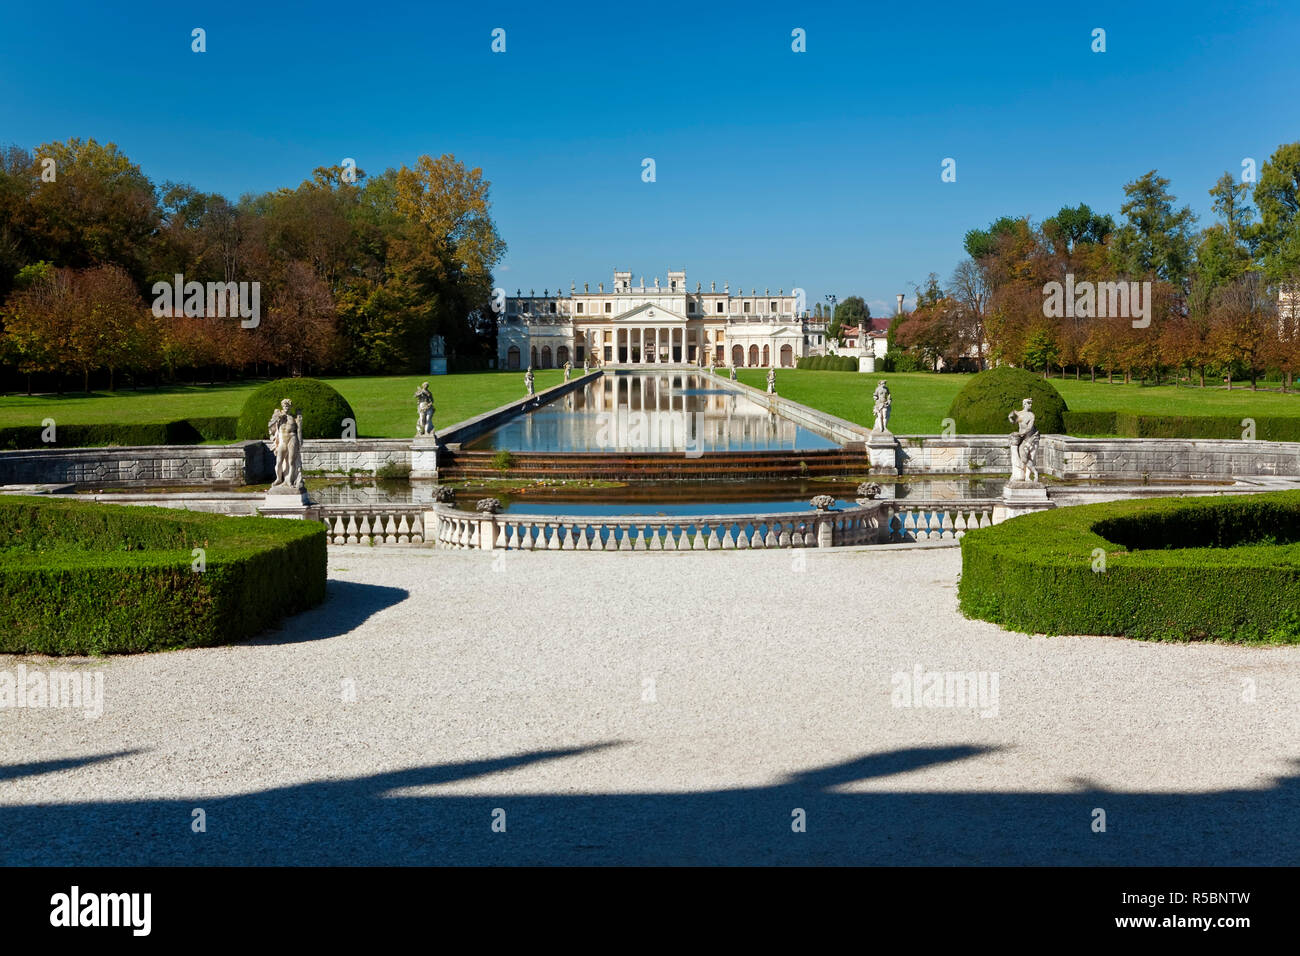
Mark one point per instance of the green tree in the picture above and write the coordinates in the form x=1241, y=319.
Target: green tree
x=1156, y=239
x=852, y=311
x=1277, y=197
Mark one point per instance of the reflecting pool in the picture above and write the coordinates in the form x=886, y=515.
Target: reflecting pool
x=628, y=412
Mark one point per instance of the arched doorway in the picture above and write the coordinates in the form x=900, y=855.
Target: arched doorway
x=753, y=355
x=532, y=356
x=546, y=356
x=512, y=357
x=561, y=355
x=737, y=356
x=787, y=356
x=767, y=357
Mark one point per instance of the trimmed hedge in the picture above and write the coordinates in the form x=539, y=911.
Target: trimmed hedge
x=79, y=577
x=828, y=363
x=322, y=408
x=1133, y=425
x=183, y=431
x=982, y=405
x=1175, y=569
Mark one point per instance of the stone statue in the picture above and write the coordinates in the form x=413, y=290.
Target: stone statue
x=586, y=363
x=285, y=429
x=424, y=403
x=881, y=409
x=568, y=367
x=528, y=381
x=1024, y=442
x=771, y=381
x=733, y=373
x=868, y=490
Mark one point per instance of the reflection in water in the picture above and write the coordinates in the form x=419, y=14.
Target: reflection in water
x=648, y=412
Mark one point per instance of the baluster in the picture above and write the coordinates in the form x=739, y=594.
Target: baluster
x=728, y=542
x=554, y=543
x=639, y=543
x=513, y=541
x=656, y=543
x=352, y=529
x=713, y=544
x=390, y=531
x=625, y=539
x=404, y=531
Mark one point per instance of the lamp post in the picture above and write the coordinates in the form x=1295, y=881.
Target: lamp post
x=833, y=300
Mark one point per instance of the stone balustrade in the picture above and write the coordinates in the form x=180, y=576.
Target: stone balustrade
x=456, y=529
x=378, y=524
x=916, y=520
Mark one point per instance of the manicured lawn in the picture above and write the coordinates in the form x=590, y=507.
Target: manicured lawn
x=921, y=399
x=384, y=405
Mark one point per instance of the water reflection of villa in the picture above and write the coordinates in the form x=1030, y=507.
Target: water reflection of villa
x=657, y=325
x=650, y=412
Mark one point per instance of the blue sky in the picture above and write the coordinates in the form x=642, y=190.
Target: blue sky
x=773, y=168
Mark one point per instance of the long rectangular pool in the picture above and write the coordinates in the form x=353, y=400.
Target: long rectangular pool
x=629, y=412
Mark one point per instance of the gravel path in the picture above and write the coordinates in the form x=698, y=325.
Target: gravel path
x=657, y=709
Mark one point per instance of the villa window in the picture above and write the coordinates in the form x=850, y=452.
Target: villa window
x=719, y=306
x=552, y=308
x=608, y=308
x=774, y=308
x=580, y=308
x=746, y=307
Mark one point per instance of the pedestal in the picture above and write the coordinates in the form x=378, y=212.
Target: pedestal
x=288, y=503
x=424, y=458
x=882, y=453
x=1020, y=498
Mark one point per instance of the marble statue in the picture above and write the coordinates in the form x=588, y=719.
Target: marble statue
x=586, y=364
x=424, y=403
x=1024, y=442
x=568, y=368
x=868, y=490
x=881, y=409
x=488, y=506
x=733, y=373
x=823, y=502
x=285, y=429
x=528, y=381
x=771, y=381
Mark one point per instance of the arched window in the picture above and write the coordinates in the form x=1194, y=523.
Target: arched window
x=533, y=356
x=787, y=356
x=546, y=356
x=753, y=355
x=512, y=357
x=767, y=358
x=737, y=356
x=561, y=355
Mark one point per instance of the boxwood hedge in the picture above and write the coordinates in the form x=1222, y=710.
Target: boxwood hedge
x=1134, y=425
x=183, y=431
x=322, y=408
x=84, y=578
x=1171, y=569
x=982, y=405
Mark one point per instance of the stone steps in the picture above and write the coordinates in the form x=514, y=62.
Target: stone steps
x=655, y=466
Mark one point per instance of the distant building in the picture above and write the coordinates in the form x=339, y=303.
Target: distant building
x=660, y=324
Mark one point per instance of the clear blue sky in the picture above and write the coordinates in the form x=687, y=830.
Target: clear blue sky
x=819, y=169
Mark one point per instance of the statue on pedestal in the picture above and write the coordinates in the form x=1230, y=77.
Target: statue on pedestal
x=733, y=373
x=285, y=429
x=568, y=368
x=528, y=381
x=1024, y=442
x=424, y=405
x=883, y=405
x=771, y=381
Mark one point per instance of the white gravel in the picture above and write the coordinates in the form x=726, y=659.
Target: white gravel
x=518, y=681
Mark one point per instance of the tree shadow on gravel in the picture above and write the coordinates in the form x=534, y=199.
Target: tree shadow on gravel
x=347, y=606
x=363, y=821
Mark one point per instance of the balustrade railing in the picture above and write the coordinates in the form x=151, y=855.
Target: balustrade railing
x=528, y=532
x=375, y=524
x=913, y=520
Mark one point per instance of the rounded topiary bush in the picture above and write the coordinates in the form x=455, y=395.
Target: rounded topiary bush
x=982, y=406
x=322, y=408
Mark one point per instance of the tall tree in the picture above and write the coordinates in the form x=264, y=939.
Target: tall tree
x=1156, y=239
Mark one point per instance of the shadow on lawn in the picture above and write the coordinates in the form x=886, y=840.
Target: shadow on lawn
x=362, y=821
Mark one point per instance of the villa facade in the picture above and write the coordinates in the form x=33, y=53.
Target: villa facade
x=647, y=325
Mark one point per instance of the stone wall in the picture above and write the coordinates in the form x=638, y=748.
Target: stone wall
x=336, y=456
x=134, y=467
x=1064, y=457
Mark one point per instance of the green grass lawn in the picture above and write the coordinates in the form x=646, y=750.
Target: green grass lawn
x=921, y=399
x=384, y=405
x=385, y=408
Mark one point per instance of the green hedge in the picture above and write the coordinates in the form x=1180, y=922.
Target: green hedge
x=828, y=363
x=183, y=431
x=79, y=577
x=322, y=408
x=1134, y=425
x=1175, y=569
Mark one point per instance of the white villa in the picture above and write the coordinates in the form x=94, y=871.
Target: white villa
x=659, y=324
